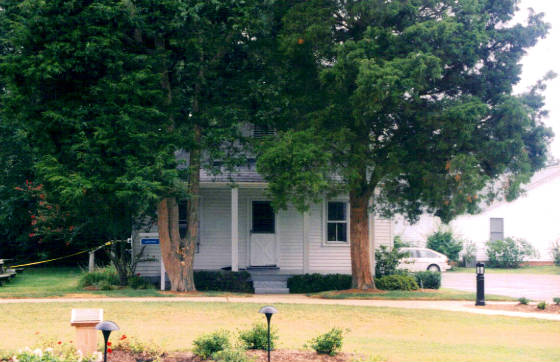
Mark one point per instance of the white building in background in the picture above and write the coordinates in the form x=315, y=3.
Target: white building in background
x=534, y=217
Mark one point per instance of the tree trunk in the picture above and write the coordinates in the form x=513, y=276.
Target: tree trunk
x=174, y=249
x=359, y=241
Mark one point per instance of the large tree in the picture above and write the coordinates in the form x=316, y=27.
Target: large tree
x=415, y=111
x=82, y=91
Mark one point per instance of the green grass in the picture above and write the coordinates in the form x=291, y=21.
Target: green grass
x=396, y=335
x=541, y=269
x=426, y=294
x=60, y=282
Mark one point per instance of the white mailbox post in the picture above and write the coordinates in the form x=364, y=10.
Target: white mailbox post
x=85, y=321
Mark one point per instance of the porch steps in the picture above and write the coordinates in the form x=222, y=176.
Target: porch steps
x=268, y=283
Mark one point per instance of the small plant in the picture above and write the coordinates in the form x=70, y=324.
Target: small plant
x=428, y=279
x=329, y=343
x=468, y=255
x=135, y=346
x=231, y=355
x=257, y=337
x=556, y=300
x=205, y=346
x=387, y=260
x=523, y=301
x=555, y=250
x=445, y=243
x=541, y=305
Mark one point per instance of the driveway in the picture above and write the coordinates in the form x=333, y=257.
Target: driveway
x=535, y=287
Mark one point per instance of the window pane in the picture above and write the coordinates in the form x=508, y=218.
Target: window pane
x=336, y=211
x=341, y=231
x=263, y=217
x=331, y=232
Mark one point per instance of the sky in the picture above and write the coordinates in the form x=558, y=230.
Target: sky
x=540, y=59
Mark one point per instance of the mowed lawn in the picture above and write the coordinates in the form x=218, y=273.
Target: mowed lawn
x=384, y=334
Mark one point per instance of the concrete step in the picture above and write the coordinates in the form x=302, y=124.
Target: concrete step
x=272, y=291
x=269, y=284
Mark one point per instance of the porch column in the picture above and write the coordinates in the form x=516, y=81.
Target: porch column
x=234, y=229
x=306, y=242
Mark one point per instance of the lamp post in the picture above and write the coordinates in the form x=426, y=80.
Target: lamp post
x=106, y=327
x=268, y=311
x=480, y=284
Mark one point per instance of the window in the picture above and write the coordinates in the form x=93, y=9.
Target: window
x=263, y=217
x=337, y=221
x=496, y=228
x=262, y=131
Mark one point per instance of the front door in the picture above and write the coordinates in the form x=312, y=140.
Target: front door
x=263, y=237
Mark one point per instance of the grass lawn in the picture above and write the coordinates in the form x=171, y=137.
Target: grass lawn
x=386, y=334
x=424, y=294
x=540, y=269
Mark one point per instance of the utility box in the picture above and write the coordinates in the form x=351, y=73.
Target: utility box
x=85, y=321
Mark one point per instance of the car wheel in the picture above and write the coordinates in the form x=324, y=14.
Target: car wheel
x=433, y=268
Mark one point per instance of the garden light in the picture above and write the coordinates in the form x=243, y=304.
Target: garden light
x=106, y=327
x=268, y=311
x=480, y=284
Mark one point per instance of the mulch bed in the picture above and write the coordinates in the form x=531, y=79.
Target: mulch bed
x=258, y=356
x=527, y=308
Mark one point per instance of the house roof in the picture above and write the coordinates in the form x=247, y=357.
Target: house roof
x=246, y=173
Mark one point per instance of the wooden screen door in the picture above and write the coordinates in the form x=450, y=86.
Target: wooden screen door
x=263, y=236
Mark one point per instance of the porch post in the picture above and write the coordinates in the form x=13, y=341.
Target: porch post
x=234, y=229
x=306, y=242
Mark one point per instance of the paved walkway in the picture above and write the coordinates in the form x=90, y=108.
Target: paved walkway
x=453, y=306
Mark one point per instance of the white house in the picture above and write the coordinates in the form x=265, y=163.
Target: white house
x=239, y=229
x=533, y=217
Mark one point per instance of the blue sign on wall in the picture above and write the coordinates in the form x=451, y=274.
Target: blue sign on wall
x=150, y=241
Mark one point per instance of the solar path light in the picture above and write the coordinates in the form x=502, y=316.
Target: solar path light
x=268, y=311
x=106, y=327
x=480, y=284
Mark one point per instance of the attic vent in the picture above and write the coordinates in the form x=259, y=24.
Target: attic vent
x=262, y=131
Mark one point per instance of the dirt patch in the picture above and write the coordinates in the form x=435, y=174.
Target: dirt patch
x=527, y=308
x=258, y=356
x=81, y=295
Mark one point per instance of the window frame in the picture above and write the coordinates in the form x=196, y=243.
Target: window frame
x=502, y=229
x=325, y=223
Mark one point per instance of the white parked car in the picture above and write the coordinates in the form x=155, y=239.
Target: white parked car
x=421, y=259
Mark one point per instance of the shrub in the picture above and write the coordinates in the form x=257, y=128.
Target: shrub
x=428, y=279
x=132, y=345
x=101, y=276
x=387, y=261
x=508, y=253
x=257, y=337
x=137, y=282
x=556, y=300
x=224, y=280
x=329, y=343
x=445, y=243
x=556, y=252
x=541, y=305
x=312, y=283
x=396, y=282
x=231, y=355
x=468, y=256
x=205, y=346
x=523, y=301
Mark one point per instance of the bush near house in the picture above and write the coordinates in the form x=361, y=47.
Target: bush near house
x=223, y=280
x=107, y=278
x=387, y=260
x=508, y=253
x=396, y=282
x=313, y=283
x=445, y=243
x=428, y=279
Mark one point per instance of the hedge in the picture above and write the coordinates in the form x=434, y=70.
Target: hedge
x=312, y=283
x=223, y=280
x=428, y=279
x=396, y=282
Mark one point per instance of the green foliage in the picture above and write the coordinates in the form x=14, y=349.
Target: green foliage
x=257, y=337
x=555, y=249
x=231, y=355
x=208, y=344
x=523, y=301
x=329, y=343
x=396, y=282
x=149, y=351
x=508, y=253
x=223, y=280
x=312, y=283
x=556, y=300
x=541, y=305
x=428, y=279
x=468, y=256
x=137, y=282
x=387, y=260
x=107, y=278
x=445, y=243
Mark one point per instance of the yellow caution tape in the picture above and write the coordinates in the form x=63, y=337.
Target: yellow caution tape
x=62, y=257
